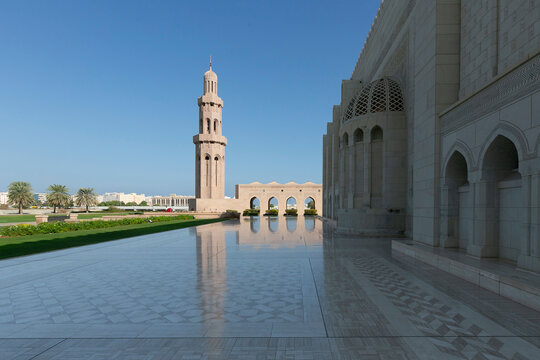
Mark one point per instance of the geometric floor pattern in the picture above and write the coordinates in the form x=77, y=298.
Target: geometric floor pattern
x=244, y=290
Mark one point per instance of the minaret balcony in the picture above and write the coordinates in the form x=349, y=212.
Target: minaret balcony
x=210, y=138
x=210, y=98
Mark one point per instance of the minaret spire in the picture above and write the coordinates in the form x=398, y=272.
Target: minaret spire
x=210, y=62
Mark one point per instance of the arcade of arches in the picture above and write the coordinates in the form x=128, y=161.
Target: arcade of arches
x=266, y=196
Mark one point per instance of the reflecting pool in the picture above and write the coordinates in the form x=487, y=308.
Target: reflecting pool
x=268, y=287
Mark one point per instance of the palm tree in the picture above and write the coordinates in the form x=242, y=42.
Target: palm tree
x=86, y=197
x=20, y=193
x=58, y=196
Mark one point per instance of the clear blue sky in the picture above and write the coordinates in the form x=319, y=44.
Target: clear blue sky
x=104, y=94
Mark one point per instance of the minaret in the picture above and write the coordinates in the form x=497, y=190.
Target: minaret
x=209, y=143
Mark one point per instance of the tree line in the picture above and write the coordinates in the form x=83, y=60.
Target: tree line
x=20, y=193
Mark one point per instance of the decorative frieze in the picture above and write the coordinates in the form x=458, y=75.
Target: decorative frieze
x=522, y=81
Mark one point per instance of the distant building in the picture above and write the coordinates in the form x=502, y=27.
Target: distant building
x=171, y=200
x=126, y=198
x=42, y=197
x=3, y=198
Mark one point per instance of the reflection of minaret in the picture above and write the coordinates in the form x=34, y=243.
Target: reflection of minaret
x=209, y=143
x=211, y=269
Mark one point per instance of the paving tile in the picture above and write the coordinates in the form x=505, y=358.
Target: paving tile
x=202, y=293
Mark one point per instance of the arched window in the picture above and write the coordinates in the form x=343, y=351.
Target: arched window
x=376, y=133
x=216, y=159
x=358, y=135
x=208, y=126
x=215, y=125
x=345, y=139
x=207, y=175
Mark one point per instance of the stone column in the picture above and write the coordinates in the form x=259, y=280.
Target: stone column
x=366, y=200
x=449, y=216
x=352, y=169
x=486, y=227
x=529, y=257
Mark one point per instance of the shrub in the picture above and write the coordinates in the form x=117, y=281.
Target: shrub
x=113, y=209
x=291, y=212
x=310, y=212
x=271, y=212
x=251, y=212
x=58, y=227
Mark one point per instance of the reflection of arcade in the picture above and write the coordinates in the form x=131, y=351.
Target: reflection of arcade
x=276, y=231
x=211, y=269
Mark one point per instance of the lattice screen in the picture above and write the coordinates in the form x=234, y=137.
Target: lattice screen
x=378, y=96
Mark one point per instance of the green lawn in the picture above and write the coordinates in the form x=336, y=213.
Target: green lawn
x=33, y=244
x=17, y=218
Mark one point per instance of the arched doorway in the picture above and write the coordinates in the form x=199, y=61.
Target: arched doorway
x=291, y=203
x=503, y=208
x=273, y=203
x=457, y=207
x=255, y=203
x=309, y=203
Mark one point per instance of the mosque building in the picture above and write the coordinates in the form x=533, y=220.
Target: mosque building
x=437, y=135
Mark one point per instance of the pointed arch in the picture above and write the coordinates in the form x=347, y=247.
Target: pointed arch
x=464, y=150
x=514, y=134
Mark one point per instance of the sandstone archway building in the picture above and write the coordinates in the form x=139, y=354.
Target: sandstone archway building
x=210, y=167
x=437, y=135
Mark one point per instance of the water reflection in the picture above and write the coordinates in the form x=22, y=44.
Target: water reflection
x=309, y=223
x=280, y=231
x=291, y=224
x=219, y=283
x=273, y=223
x=211, y=269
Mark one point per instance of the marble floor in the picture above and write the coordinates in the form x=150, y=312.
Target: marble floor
x=251, y=289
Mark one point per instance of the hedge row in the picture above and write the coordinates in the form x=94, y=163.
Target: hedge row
x=310, y=212
x=271, y=212
x=58, y=227
x=251, y=212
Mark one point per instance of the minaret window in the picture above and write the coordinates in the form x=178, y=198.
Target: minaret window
x=208, y=125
